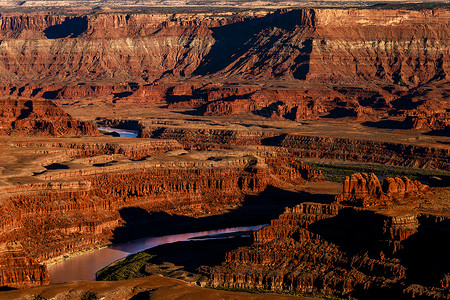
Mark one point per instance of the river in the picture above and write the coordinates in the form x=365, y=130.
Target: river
x=121, y=132
x=85, y=266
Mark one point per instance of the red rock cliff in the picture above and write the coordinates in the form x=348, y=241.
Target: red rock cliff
x=40, y=117
x=18, y=270
x=387, y=46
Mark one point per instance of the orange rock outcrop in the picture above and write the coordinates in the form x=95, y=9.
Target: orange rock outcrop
x=40, y=118
x=365, y=190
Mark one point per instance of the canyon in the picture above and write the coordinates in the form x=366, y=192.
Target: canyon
x=386, y=240
x=388, y=69
x=68, y=196
x=237, y=112
x=385, y=250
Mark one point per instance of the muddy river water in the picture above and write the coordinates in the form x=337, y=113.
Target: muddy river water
x=85, y=266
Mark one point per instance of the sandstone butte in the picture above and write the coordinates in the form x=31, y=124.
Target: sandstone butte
x=227, y=105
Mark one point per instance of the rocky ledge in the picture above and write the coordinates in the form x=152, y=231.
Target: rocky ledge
x=396, y=250
x=40, y=118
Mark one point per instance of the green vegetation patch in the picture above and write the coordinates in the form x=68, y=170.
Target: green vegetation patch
x=126, y=268
x=337, y=171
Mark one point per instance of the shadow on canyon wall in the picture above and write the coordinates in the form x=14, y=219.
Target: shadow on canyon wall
x=424, y=254
x=197, y=253
x=387, y=124
x=51, y=95
x=352, y=230
x=302, y=61
x=234, y=40
x=441, y=132
x=255, y=209
x=395, y=124
x=71, y=28
x=341, y=112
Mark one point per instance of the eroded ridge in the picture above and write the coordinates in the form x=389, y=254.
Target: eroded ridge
x=385, y=248
x=40, y=118
x=90, y=194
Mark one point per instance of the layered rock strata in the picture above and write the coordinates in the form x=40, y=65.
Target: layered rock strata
x=18, y=270
x=40, y=118
x=306, y=40
x=346, y=251
x=391, y=153
x=362, y=150
x=386, y=64
x=82, y=203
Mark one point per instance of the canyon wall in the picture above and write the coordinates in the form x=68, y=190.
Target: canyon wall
x=331, y=45
x=352, y=149
x=363, y=150
x=346, y=251
x=91, y=195
x=40, y=118
x=18, y=270
x=372, y=61
x=140, y=46
x=396, y=46
x=390, y=45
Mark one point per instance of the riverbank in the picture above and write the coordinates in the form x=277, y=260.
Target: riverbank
x=64, y=257
x=168, y=260
x=85, y=265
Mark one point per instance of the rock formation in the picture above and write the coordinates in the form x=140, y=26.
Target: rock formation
x=365, y=190
x=83, y=195
x=40, y=118
x=346, y=251
x=385, y=64
x=361, y=150
x=18, y=270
